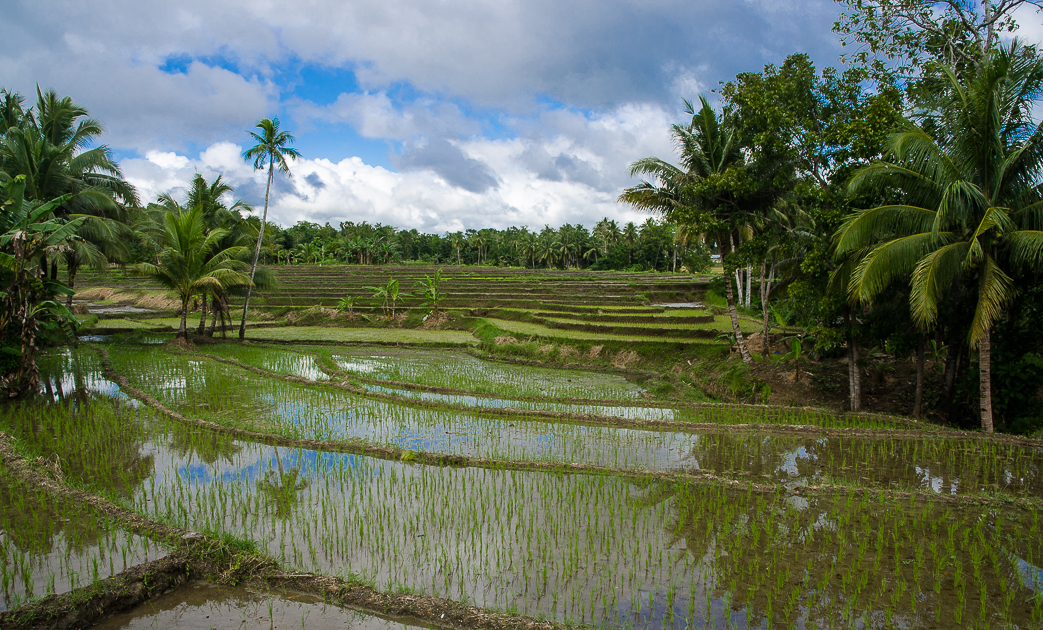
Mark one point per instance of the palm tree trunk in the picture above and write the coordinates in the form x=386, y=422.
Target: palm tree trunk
x=202, y=316
x=215, y=306
x=854, y=375
x=918, y=405
x=738, y=284
x=749, y=287
x=736, y=330
x=674, y=269
x=985, y=376
x=765, y=291
x=72, y=269
x=257, y=250
x=182, y=331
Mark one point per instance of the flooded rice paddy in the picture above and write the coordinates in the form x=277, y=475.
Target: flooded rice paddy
x=52, y=546
x=617, y=550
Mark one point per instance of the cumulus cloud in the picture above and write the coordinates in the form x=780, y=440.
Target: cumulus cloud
x=496, y=113
x=564, y=166
x=448, y=161
x=375, y=115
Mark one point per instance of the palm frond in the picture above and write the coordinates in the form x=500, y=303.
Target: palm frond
x=883, y=264
x=933, y=276
x=865, y=227
x=996, y=290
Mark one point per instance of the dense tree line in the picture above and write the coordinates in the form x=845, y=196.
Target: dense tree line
x=653, y=245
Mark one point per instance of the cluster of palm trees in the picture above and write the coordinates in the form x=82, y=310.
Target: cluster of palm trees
x=64, y=204
x=956, y=204
x=202, y=247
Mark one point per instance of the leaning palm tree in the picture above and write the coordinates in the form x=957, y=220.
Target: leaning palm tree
x=970, y=208
x=191, y=263
x=272, y=149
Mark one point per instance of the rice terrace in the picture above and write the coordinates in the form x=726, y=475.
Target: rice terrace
x=790, y=377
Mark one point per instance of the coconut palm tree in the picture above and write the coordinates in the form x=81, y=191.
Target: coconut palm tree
x=52, y=146
x=970, y=208
x=709, y=149
x=272, y=149
x=191, y=263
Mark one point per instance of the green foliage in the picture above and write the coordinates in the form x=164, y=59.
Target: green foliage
x=431, y=291
x=389, y=296
x=191, y=261
x=348, y=304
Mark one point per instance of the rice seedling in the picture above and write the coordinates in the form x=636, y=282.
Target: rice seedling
x=49, y=546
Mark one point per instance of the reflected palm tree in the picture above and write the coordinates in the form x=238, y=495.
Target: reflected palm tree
x=209, y=446
x=282, y=487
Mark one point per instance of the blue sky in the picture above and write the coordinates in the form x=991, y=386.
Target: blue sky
x=439, y=116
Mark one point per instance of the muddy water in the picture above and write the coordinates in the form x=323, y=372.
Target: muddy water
x=599, y=549
x=202, y=606
x=50, y=546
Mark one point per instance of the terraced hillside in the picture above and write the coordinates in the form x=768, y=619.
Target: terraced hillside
x=301, y=287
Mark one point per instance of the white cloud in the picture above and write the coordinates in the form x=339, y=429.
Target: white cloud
x=564, y=167
x=566, y=94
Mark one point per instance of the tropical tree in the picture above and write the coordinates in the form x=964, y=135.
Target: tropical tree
x=431, y=291
x=702, y=190
x=271, y=150
x=457, y=240
x=549, y=251
x=970, y=211
x=389, y=295
x=239, y=232
x=29, y=232
x=191, y=263
x=53, y=146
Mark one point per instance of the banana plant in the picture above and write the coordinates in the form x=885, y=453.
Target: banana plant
x=389, y=296
x=796, y=353
x=431, y=291
x=348, y=304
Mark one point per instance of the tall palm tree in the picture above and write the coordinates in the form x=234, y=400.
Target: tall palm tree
x=970, y=205
x=272, y=149
x=457, y=240
x=709, y=149
x=191, y=262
